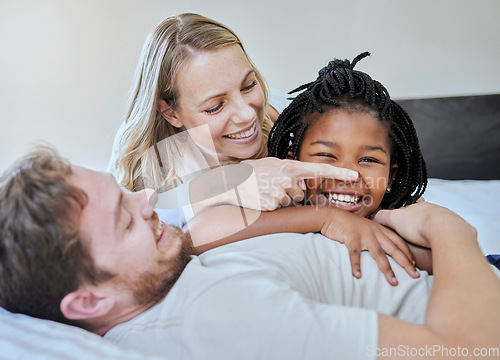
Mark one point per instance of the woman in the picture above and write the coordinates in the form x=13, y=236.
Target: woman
x=158, y=110
x=198, y=101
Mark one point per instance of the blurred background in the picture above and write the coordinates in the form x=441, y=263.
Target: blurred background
x=66, y=66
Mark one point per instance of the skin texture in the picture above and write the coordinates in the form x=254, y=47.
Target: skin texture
x=219, y=89
x=357, y=141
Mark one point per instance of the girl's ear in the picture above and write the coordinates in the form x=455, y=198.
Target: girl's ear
x=392, y=174
x=289, y=156
x=168, y=113
x=83, y=304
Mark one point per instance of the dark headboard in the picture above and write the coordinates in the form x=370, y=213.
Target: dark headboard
x=459, y=136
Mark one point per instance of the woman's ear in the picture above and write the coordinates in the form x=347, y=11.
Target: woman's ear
x=83, y=304
x=168, y=113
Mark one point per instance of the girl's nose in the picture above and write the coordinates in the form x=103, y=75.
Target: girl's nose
x=351, y=166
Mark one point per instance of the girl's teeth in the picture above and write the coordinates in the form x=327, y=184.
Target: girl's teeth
x=343, y=199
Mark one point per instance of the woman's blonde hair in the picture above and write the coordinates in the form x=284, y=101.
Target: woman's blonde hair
x=137, y=163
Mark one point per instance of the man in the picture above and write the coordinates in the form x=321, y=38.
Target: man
x=77, y=248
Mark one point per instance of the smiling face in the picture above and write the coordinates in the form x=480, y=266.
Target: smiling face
x=219, y=89
x=354, y=140
x=126, y=238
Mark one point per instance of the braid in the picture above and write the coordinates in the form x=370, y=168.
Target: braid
x=411, y=180
x=338, y=85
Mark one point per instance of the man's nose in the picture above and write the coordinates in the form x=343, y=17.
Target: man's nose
x=148, y=199
x=152, y=196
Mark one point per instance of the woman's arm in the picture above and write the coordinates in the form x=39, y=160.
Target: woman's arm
x=221, y=225
x=462, y=318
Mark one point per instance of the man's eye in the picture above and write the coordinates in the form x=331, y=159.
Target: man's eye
x=130, y=223
x=214, y=109
x=251, y=86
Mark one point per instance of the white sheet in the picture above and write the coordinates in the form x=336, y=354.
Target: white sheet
x=478, y=202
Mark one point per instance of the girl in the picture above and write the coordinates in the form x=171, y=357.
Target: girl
x=347, y=119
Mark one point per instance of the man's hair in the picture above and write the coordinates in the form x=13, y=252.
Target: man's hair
x=339, y=86
x=42, y=255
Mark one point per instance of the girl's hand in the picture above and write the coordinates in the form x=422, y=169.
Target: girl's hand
x=359, y=233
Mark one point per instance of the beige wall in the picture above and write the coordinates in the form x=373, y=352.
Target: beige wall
x=66, y=66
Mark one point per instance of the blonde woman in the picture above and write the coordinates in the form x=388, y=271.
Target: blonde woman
x=198, y=102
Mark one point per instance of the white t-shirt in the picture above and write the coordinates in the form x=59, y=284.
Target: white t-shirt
x=281, y=296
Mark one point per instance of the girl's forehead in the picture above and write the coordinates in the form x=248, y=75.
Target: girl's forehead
x=354, y=125
x=346, y=118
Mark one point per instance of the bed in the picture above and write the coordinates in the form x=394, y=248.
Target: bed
x=460, y=140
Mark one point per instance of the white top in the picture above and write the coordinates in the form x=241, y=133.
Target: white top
x=281, y=296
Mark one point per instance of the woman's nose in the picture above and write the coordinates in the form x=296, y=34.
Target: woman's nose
x=243, y=111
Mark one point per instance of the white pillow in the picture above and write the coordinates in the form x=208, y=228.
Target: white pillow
x=24, y=337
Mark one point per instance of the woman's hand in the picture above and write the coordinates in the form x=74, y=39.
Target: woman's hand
x=359, y=233
x=264, y=184
x=281, y=182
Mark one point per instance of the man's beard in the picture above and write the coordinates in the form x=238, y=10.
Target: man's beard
x=153, y=285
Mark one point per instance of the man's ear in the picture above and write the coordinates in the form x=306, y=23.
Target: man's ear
x=83, y=304
x=168, y=113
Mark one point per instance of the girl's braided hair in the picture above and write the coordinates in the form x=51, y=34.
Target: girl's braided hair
x=339, y=86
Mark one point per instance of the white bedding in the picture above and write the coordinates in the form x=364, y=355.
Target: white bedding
x=476, y=201
x=22, y=337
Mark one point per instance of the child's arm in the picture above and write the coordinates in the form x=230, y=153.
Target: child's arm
x=357, y=233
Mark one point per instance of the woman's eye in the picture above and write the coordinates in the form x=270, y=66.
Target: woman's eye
x=214, y=109
x=251, y=86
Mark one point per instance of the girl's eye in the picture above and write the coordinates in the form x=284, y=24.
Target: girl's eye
x=251, y=86
x=326, y=155
x=214, y=109
x=369, y=160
